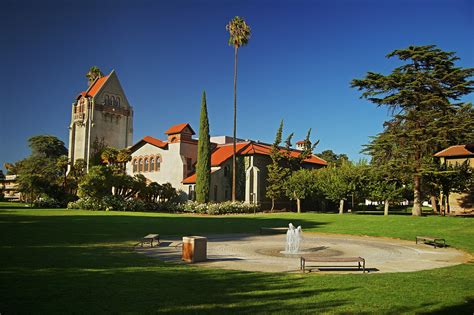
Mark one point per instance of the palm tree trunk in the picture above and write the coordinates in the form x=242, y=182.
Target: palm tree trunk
x=234, y=171
x=298, y=205
x=341, y=206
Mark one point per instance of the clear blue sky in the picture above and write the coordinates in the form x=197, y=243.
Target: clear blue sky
x=298, y=64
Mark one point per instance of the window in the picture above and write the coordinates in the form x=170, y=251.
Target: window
x=135, y=165
x=118, y=101
x=112, y=100
x=140, y=169
x=146, y=165
x=107, y=100
x=152, y=165
x=158, y=162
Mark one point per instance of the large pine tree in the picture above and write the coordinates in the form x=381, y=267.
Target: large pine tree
x=423, y=95
x=203, y=170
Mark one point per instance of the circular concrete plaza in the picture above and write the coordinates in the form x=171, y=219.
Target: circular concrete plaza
x=265, y=253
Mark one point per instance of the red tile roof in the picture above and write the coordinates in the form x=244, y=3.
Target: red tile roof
x=192, y=179
x=178, y=129
x=457, y=150
x=300, y=142
x=94, y=88
x=224, y=152
x=153, y=141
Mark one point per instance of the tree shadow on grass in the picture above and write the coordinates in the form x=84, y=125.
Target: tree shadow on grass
x=107, y=279
x=23, y=230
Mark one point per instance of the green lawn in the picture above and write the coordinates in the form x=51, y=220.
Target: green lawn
x=57, y=261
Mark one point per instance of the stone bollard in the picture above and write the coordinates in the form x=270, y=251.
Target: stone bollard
x=194, y=249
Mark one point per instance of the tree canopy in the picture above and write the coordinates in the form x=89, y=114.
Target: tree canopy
x=423, y=96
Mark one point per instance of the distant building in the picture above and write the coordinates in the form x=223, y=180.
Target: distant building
x=100, y=113
x=457, y=154
x=174, y=161
x=10, y=188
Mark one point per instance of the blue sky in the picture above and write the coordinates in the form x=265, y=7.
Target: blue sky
x=297, y=66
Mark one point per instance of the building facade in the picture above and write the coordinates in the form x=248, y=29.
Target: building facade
x=459, y=203
x=174, y=161
x=103, y=114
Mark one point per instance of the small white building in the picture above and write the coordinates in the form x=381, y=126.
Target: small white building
x=165, y=161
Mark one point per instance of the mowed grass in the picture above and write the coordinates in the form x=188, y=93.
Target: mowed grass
x=63, y=261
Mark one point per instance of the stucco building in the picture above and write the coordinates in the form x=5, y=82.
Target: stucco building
x=174, y=161
x=459, y=203
x=100, y=113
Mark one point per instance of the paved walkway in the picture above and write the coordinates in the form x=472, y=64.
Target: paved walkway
x=265, y=253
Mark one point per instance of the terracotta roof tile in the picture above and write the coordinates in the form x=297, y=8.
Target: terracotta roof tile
x=153, y=141
x=95, y=88
x=178, y=129
x=457, y=150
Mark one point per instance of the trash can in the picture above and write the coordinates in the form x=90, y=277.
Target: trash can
x=194, y=249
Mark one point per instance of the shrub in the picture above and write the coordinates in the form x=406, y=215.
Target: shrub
x=219, y=208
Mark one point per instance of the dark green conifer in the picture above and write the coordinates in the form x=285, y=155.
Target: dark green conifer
x=203, y=170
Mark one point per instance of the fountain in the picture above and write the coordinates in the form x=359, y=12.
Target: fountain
x=294, y=236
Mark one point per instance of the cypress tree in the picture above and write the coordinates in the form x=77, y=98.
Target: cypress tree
x=203, y=170
x=277, y=173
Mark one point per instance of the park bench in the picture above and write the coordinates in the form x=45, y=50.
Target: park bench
x=304, y=259
x=435, y=241
x=273, y=230
x=150, y=238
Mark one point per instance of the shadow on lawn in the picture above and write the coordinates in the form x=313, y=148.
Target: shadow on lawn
x=30, y=230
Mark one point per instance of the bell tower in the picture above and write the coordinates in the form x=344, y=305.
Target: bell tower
x=101, y=113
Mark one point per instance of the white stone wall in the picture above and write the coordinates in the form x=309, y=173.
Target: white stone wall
x=173, y=168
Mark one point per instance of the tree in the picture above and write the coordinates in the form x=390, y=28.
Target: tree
x=93, y=74
x=420, y=95
x=97, y=183
x=276, y=172
x=333, y=158
x=47, y=146
x=300, y=185
x=337, y=183
x=203, y=171
x=42, y=173
x=239, y=33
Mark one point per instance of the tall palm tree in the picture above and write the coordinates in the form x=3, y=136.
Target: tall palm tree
x=239, y=33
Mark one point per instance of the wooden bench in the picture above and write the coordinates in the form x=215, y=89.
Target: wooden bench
x=273, y=230
x=150, y=238
x=359, y=260
x=435, y=241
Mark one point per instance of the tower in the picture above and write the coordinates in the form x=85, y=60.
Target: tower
x=100, y=114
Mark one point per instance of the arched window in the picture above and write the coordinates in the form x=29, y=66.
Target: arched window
x=140, y=168
x=146, y=165
x=118, y=101
x=152, y=165
x=135, y=165
x=112, y=100
x=107, y=100
x=157, y=163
